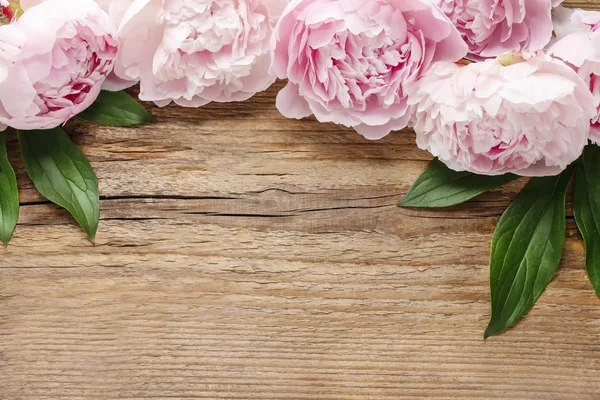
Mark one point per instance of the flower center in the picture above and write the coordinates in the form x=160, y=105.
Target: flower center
x=511, y=58
x=78, y=63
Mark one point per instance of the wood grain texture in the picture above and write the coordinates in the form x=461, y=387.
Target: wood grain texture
x=241, y=255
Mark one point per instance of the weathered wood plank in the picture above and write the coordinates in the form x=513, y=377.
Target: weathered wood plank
x=244, y=256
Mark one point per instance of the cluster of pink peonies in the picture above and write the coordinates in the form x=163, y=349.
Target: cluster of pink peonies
x=522, y=100
x=56, y=55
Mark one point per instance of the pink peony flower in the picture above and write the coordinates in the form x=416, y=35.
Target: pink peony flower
x=579, y=46
x=68, y=51
x=351, y=62
x=520, y=113
x=493, y=27
x=193, y=52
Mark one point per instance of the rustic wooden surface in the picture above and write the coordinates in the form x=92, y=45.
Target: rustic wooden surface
x=244, y=256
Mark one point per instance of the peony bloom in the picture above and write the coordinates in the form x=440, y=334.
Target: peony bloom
x=520, y=113
x=193, y=52
x=351, y=62
x=579, y=47
x=68, y=51
x=493, y=27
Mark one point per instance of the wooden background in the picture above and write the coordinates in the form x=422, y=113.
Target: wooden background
x=241, y=255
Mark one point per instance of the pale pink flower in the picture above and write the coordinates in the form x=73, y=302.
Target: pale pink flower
x=579, y=46
x=193, y=52
x=493, y=27
x=67, y=52
x=351, y=62
x=520, y=113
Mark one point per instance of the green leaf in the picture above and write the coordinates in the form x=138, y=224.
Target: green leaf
x=116, y=109
x=586, y=207
x=62, y=174
x=526, y=249
x=439, y=186
x=9, y=195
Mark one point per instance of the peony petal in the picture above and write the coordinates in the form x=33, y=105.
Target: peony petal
x=381, y=131
x=115, y=84
x=290, y=104
x=17, y=93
